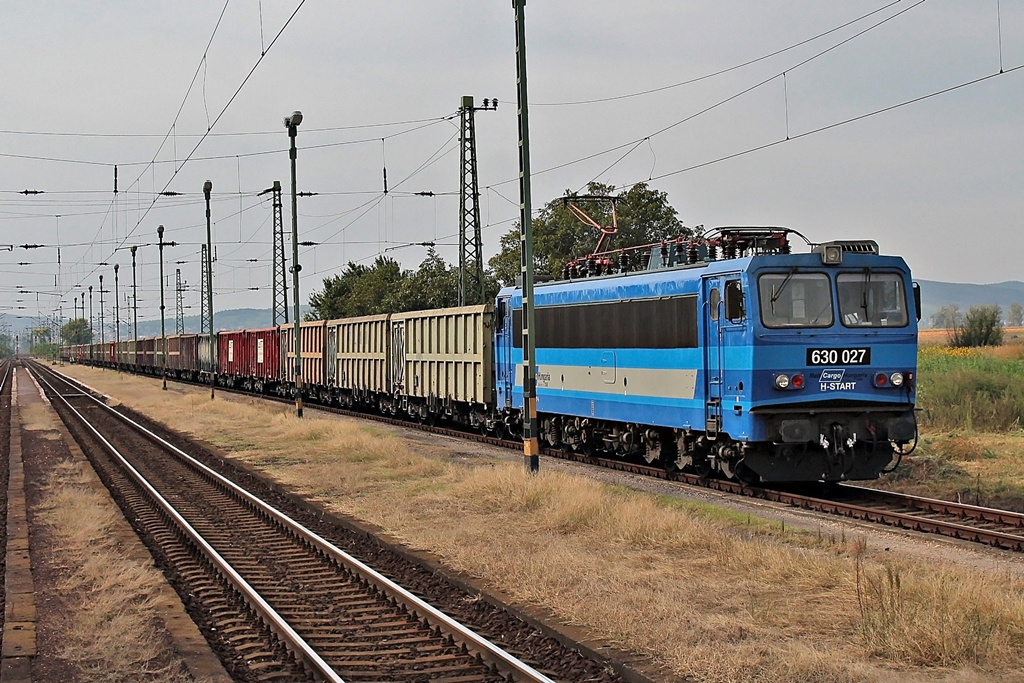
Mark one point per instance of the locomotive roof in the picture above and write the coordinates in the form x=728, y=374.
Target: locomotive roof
x=684, y=279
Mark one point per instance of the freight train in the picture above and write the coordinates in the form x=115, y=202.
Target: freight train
x=760, y=365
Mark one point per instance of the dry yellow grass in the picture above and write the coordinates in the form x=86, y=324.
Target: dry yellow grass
x=111, y=635
x=707, y=595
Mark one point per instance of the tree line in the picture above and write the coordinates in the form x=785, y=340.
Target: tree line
x=644, y=216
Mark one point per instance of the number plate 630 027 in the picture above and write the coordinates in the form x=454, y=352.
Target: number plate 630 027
x=838, y=356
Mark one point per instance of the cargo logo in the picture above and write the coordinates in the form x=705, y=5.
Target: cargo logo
x=832, y=380
x=831, y=375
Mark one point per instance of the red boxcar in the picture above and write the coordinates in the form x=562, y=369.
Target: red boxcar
x=146, y=352
x=230, y=352
x=250, y=358
x=188, y=356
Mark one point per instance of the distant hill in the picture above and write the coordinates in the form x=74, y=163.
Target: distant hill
x=935, y=295
x=232, y=319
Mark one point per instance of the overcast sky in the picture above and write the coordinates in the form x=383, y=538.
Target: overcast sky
x=87, y=86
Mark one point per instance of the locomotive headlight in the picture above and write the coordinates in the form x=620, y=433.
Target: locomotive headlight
x=896, y=379
x=781, y=381
x=832, y=255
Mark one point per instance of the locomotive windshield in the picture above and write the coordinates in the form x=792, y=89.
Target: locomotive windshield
x=795, y=299
x=871, y=299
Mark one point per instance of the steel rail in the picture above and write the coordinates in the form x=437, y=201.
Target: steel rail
x=8, y=364
x=267, y=613
x=963, y=510
x=408, y=600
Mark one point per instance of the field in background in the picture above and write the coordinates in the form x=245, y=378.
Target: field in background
x=971, y=413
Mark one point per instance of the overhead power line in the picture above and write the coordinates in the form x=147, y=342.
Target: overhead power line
x=705, y=77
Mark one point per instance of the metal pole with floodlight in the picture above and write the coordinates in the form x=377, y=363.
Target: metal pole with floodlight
x=117, y=322
x=163, y=327
x=531, y=444
x=207, y=189
x=292, y=124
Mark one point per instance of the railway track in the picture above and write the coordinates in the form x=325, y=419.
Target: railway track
x=278, y=600
x=997, y=528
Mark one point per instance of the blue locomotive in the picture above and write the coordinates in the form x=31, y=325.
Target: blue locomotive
x=763, y=365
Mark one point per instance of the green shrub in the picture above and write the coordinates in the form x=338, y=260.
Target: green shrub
x=982, y=326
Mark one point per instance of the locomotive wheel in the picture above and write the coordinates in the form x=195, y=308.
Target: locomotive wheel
x=702, y=467
x=745, y=475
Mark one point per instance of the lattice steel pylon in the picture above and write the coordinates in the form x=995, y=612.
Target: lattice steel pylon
x=279, y=275
x=471, y=259
x=204, y=305
x=179, y=318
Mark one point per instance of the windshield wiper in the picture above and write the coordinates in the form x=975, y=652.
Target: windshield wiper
x=865, y=285
x=778, y=292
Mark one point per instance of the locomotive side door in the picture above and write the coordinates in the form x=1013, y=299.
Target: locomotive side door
x=711, y=314
x=503, y=342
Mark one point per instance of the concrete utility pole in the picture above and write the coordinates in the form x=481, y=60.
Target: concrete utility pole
x=103, y=336
x=92, y=333
x=531, y=444
x=135, y=309
x=117, y=322
x=163, y=325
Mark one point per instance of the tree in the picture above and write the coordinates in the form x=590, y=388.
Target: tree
x=76, y=332
x=385, y=288
x=434, y=285
x=946, y=317
x=1016, y=316
x=644, y=217
x=982, y=326
x=358, y=290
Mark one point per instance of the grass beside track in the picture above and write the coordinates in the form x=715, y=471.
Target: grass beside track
x=971, y=404
x=709, y=595
x=109, y=634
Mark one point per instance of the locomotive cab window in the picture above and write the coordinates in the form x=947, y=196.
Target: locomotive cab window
x=872, y=299
x=795, y=299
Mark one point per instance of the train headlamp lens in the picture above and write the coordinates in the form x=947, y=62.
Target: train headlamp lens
x=897, y=379
x=781, y=381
